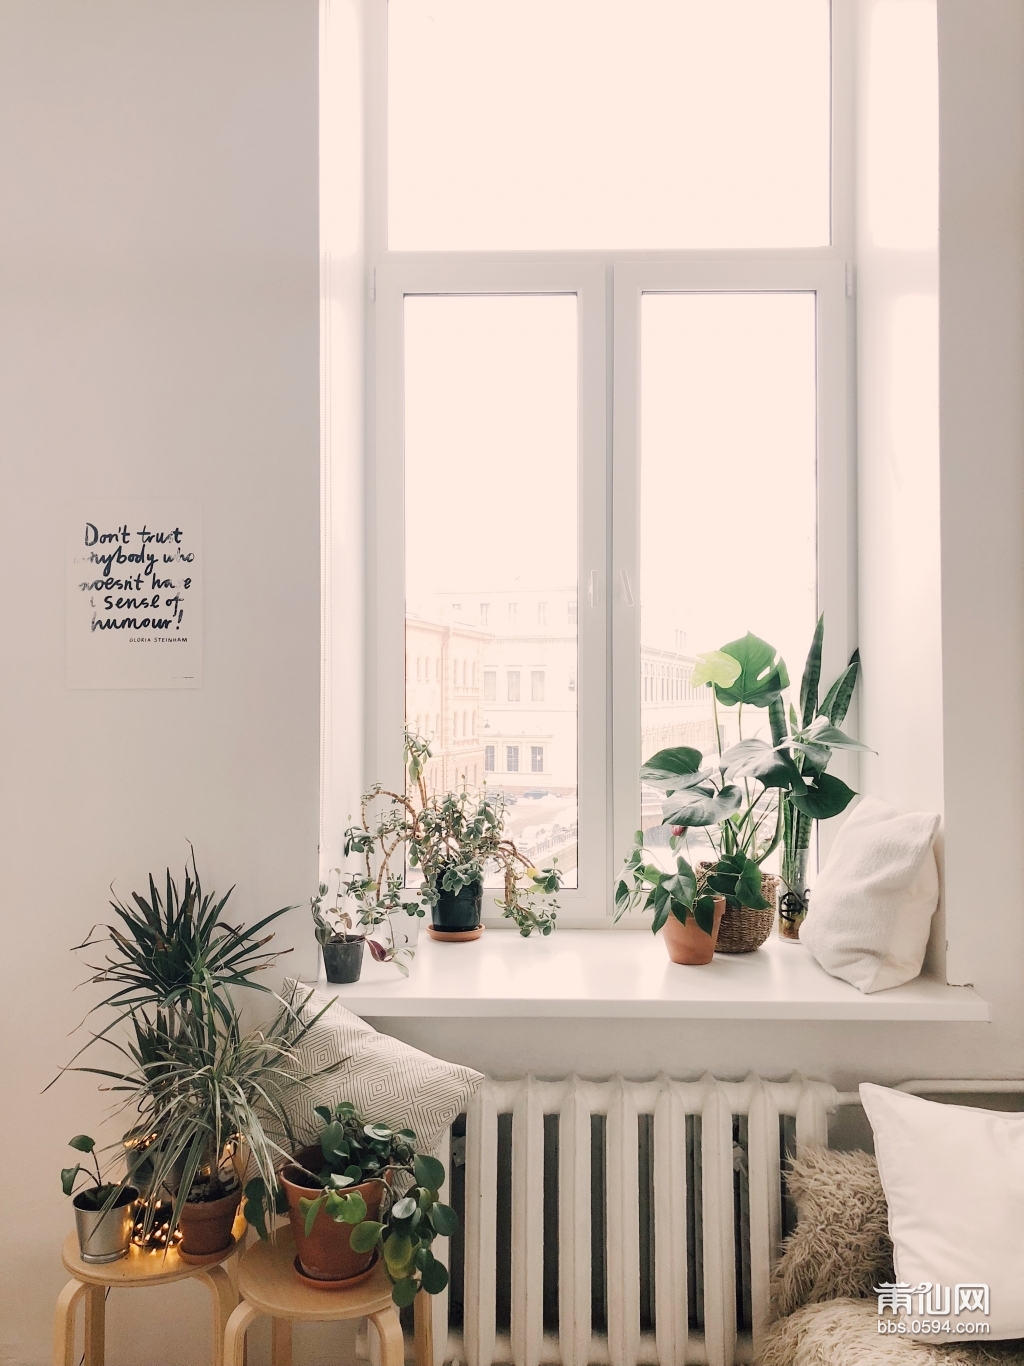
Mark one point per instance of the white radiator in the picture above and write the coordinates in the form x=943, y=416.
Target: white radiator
x=730, y=1192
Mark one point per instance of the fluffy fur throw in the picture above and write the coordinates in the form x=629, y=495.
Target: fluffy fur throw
x=841, y=1245
x=845, y=1333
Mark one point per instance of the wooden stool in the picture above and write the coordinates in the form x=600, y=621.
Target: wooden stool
x=139, y=1268
x=267, y=1284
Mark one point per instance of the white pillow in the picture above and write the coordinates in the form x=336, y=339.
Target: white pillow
x=385, y=1079
x=872, y=904
x=953, y=1178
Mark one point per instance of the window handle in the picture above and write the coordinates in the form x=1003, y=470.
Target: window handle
x=627, y=591
x=592, y=588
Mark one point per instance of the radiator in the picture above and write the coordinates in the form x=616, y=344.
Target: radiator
x=620, y=1222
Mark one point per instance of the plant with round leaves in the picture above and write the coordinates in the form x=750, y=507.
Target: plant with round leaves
x=355, y=1152
x=100, y=1194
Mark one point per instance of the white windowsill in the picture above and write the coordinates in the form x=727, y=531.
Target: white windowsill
x=604, y=973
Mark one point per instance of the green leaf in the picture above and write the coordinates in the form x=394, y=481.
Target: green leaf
x=660, y=916
x=837, y=700
x=379, y=1132
x=434, y=1277
x=332, y=1142
x=812, y=675
x=364, y=1236
x=668, y=766
x=715, y=667
x=310, y=1209
x=704, y=913
x=67, y=1178
x=82, y=1142
x=322, y=1110
x=398, y=1250
x=748, y=887
x=445, y=1220
x=404, y=1292
x=255, y=1210
x=699, y=808
x=826, y=797
x=428, y=1171
x=822, y=732
x=353, y=1208
x=756, y=759
x=762, y=675
x=405, y=1208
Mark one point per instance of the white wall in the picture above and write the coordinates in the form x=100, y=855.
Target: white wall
x=158, y=336
x=159, y=325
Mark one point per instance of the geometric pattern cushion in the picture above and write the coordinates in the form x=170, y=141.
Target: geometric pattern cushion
x=387, y=1081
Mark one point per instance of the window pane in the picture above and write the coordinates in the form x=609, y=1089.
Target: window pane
x=491, y=522
x=727, y=503
x=523, y=124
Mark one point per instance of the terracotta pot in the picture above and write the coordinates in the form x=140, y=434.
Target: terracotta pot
x=206, y=1224
x=689, y=943
x=326, y=1254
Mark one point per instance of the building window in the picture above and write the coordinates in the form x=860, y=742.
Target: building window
x=512, y=758
x=536, y=758
x=513, y=685
x=542, y=614
x=513, y=613
x=571, y=613
x=485, y=611
x=490, y=685
x=537, y=685
x=488, y=758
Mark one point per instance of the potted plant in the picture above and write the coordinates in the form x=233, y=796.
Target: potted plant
x=740, y=798
x=361, y=1192
x=683, y=907
x=342, y=949
x=454, y=839
x=104, y=1210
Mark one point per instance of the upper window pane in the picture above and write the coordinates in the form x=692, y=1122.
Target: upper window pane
x=576, y=124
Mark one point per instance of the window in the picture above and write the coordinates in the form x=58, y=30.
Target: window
x=697, y=155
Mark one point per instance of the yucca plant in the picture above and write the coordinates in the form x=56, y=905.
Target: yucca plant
x=173, y=956
x=207, y=1102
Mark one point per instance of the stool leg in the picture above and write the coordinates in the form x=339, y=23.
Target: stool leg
x=423, y=1319
x=234, y=1333
x=95, y=1323
x=64, y=1323
x=280, y=1342
x=389, y=1333
x=222, y=1292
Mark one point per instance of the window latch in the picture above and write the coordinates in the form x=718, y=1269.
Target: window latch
x=627, y=591
x=592, y=588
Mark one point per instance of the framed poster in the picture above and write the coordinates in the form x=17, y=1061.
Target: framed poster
x=134, y=594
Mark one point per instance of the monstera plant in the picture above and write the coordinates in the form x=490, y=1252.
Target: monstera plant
x=757, y=794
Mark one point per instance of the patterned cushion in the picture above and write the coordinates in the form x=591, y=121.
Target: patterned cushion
x=384, y=1078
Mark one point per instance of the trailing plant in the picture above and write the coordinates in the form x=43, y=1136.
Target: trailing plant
x=101, y=1193
x=412, y=1215
x=742, y=795
x=331, y=923
x=454, y=838
x=206, y=1099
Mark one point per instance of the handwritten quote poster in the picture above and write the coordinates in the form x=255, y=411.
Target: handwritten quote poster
x=135, y=595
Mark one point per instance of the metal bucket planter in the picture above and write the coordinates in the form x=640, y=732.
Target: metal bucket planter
x=105, y=1235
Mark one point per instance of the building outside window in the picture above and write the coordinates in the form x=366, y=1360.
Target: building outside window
x=542, y=614
x=485, y=611
x=490, y=685
x=536, y=758
x=513, y=685
x=512, y=758
x=513, y=613
x=488, y=758
x=537, y=685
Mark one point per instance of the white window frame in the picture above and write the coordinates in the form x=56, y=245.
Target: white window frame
x=608, y=286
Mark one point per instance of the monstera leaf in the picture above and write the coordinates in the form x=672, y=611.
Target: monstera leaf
x=762, y=675
x=674, y=768
x=823, y=797
x=715, y=667
x=772, y=767
x=738, y=879
x=702, y=806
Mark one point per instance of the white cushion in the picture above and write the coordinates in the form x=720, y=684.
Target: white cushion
x=385, y=1079
x=872, y=904
x=953, y=1178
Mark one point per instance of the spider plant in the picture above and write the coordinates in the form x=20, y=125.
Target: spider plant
x=208, y=1102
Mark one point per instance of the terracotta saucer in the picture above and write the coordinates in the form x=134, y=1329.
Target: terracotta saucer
x=345, y=1284
x=207, y=1258
x=454, y=936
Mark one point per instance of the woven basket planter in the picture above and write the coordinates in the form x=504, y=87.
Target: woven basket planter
x=744, y=930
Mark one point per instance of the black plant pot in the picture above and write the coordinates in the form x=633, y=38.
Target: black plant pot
x=343, y=958
x=455, y=912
